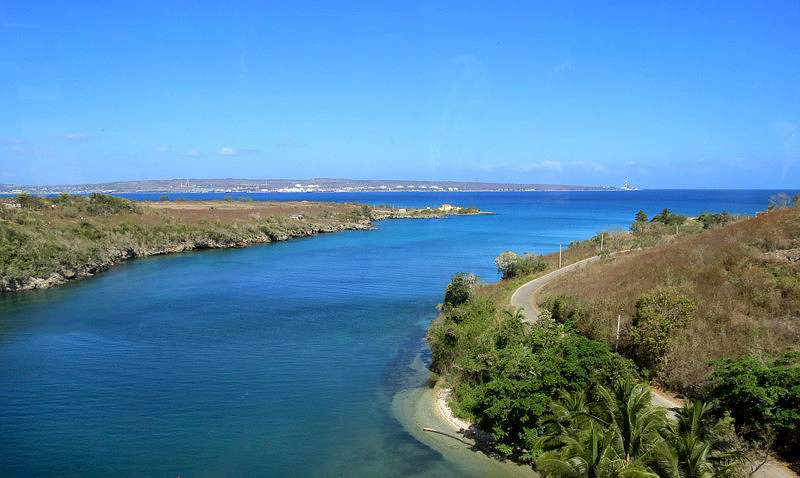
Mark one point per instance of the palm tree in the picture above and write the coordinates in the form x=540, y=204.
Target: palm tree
x=589, y=453
x=627, y=409
x=623, y=435
x=617, y=437
x=567, y=415
x=694, y=447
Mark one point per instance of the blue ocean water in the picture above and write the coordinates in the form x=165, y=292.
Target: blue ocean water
x=276, y=360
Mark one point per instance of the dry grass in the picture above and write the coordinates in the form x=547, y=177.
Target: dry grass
x=239, y=212
x=745, y=279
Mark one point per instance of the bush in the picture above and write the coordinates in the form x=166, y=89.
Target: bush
x=762, y=396
x=524, y=378
x=658, y=315
x=460, y=289
x=106, y=205
x=510, y=265
x=668, y=218
x=709, y=219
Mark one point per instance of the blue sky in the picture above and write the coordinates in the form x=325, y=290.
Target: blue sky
x=668, y=94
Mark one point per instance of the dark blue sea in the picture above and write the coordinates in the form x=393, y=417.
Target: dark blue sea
x=276, y=360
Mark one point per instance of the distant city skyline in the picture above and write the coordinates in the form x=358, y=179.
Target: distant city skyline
x=703, y=95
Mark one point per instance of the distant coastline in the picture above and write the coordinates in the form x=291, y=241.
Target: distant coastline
x=313, y=185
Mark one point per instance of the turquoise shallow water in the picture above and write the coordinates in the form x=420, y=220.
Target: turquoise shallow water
x=276, y=360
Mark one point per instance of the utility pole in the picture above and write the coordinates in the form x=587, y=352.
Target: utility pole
x=559, y=256
x=619, y=318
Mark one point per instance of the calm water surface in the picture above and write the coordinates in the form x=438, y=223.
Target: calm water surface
x=276, y=360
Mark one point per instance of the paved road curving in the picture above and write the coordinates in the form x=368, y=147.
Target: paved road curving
x=523, y=297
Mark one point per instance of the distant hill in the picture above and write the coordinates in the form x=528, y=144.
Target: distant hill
x=288, y=185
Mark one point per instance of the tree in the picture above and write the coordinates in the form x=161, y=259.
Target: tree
x=658, y=315
x=762, y=396
x=510, y=265
x=589, y=453
x=30, y=202
x=619, y=438
x=460, y=289
x=623, y=434
x=628, y=410
x=696, y=446
x=504, y=262
x=641, y=217
x=668, y=218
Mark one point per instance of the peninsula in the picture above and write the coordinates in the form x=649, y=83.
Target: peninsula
x=48, y=241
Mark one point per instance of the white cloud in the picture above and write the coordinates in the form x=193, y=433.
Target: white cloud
x=160, y=149
x=237, y=151
x=193, y=153
x=76, y=136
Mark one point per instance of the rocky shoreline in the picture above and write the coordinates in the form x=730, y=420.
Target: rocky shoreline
x=117, y=256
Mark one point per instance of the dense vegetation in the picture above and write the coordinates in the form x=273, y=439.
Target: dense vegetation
x=706, y=306
x=70, y=236
x=510, y=265
x=504, y=374
x=619, y=432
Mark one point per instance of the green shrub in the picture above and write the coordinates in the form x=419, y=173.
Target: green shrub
x=668, y=218
x=510, y=265
x=763, y=396
x=709, y=219
x=106, y=205
x=460, y=289
x=658, y=315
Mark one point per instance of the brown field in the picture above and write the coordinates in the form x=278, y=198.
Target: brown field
x=239, y=211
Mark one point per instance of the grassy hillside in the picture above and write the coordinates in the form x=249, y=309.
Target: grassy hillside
x=714, y=316
x=741, y=280
x=709, y=307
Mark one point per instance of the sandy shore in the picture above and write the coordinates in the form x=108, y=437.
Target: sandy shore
x=426, y=407
x=443, y=410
